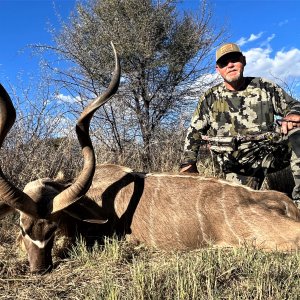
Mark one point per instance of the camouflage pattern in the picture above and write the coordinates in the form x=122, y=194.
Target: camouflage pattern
x=255, y=180
x=224, y=114
x=295, y=162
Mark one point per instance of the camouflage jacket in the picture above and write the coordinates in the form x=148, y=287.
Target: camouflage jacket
x=224, y=113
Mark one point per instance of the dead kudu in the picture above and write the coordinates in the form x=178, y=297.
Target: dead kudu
x=162, y=210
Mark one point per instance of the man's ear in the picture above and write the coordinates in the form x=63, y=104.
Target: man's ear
x=244, y=60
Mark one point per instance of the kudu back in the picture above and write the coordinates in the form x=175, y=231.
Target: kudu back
x=171, y=211
x=161, y=210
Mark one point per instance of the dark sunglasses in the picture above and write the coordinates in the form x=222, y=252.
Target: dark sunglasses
x=223, y=62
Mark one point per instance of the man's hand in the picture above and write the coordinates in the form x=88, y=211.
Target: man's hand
x=290, y=122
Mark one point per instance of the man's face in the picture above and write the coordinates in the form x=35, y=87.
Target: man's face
x=231, y=67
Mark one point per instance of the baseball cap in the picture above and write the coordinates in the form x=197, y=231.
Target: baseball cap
x=227, y=48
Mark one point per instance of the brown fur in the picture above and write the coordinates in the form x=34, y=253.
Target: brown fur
x=185, y=212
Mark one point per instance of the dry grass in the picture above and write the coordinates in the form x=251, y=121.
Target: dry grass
x=120, y=270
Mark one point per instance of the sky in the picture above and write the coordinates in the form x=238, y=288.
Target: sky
x=266, y=30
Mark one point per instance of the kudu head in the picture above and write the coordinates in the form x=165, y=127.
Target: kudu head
x=42, y=203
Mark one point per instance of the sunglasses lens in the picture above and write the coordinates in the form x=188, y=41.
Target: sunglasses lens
x=222, y=63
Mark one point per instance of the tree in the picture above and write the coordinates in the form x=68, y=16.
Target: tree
x=42, y=142
x=163, y=53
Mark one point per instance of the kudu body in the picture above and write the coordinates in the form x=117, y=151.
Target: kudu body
x=162, y=210
x=187, y=212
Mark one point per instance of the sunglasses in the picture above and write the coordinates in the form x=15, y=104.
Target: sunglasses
x=223, y=62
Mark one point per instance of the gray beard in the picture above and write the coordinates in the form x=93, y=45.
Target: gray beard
x=233, y=79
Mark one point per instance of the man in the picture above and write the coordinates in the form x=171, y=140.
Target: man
x=237, y=118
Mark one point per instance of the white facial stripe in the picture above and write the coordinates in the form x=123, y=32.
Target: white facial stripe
x=40, y=244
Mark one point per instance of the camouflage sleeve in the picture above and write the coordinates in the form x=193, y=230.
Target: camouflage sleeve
x=198, y=126
x=283, y=103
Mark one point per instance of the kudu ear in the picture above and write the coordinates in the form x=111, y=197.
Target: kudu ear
x=86, y=210
x=84, y=180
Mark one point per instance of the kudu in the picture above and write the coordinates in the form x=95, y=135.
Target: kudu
x=45, y=204
x=162, y=210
